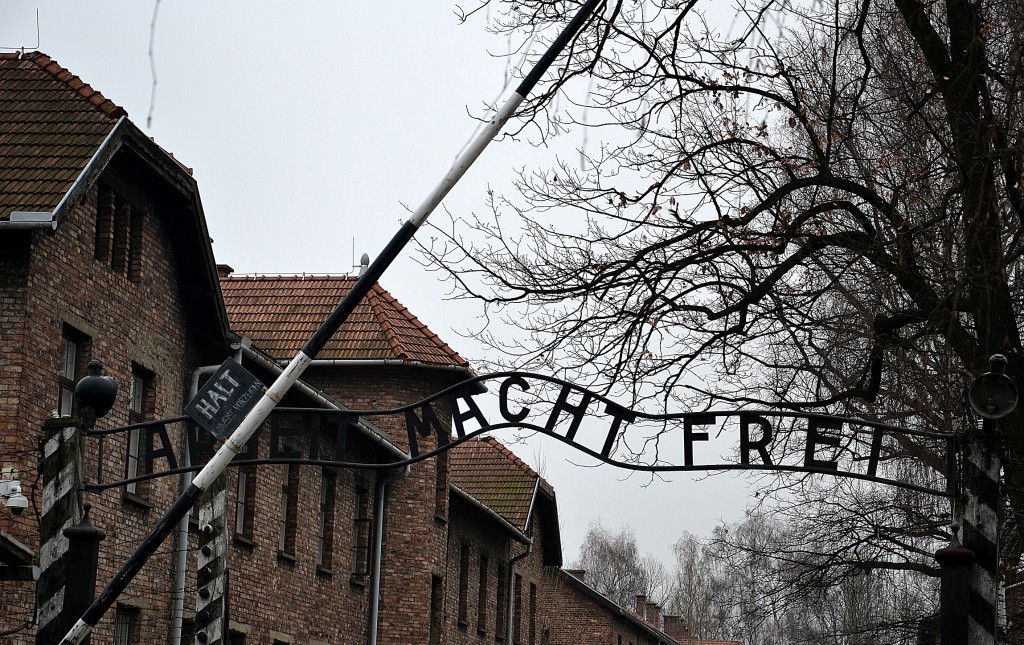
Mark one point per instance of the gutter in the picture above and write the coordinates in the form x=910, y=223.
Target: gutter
x=510, y=618
x=274, y=366
x=378, y=541
x=396, y=362
x=43, y=220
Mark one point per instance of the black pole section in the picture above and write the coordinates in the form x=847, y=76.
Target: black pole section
x=83, y=561
x=955, y=562
x=557, y=46
x=236, y=442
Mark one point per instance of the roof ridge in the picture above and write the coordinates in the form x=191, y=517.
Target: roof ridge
x=75, y=83
x=373, y=298
x=288, y=276
x=419, y=324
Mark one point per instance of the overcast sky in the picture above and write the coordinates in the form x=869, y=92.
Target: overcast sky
x=310, y=128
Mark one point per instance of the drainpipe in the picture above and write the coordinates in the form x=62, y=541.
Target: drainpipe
x=511, y=568
x=378, y=541
x=178, y=613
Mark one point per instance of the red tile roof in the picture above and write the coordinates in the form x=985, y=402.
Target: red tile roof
x=492, y=475
x=53, y=123
x=280, y=313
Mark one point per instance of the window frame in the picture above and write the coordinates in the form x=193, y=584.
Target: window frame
x=362, y=524
x=141, y=408
x=245, y=503
x=71, y=369
x=463, y=597
x=325, y=521
x=126, y=626
x=289, y=512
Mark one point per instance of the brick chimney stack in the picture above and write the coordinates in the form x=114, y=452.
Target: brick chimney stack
x=653, y=616
x=579, y=574
x=641, y=606
x=675, y=628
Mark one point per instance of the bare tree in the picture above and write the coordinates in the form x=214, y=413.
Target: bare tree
x=614, y=566
x=812, y=205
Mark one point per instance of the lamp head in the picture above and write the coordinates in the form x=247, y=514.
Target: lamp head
x=95, y=392
x=993, y=395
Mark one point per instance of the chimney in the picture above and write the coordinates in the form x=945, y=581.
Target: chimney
x=675, y=628
x=224, y=270
x=579, y=574
x=653, y=615
x=641, y=605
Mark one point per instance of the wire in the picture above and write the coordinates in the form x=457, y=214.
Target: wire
x=152, y=64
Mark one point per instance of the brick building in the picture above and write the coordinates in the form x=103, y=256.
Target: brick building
x=104, y=255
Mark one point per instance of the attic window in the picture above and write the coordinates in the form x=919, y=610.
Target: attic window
x=119, y=231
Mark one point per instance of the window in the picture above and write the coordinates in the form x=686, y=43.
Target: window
x=119, y=252
x=125, y=626
x=325, y=535
x=140, y=407
x=441, y=485
x=463, y=585
x=245, y=502
x=72, y=367
x=436, y=609
x=361, y=536
x=532, y=635
x=481, y=603
x=500, y=626
x=288, y=519
x=104, y=222
x=517, y=610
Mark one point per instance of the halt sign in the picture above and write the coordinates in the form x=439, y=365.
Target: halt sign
x=225, y=399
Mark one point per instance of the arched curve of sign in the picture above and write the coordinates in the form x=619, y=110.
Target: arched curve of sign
x=766, y=440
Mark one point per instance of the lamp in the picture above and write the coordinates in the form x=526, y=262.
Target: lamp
x=95, y=393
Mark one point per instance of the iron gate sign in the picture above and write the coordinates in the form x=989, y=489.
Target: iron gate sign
x=631, y=439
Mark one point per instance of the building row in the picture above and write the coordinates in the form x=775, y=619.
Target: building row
x=321, y=531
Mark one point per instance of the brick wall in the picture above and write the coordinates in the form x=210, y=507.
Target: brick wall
x=55, y=280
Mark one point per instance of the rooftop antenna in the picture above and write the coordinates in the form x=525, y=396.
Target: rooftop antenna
x=22, y=48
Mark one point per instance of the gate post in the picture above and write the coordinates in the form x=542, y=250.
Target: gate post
x=992, y=395
x=211, y=577
x=956, y=563
x=82, y=564
x=61, y=468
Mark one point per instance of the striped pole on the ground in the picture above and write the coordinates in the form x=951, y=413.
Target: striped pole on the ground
x=61, y=476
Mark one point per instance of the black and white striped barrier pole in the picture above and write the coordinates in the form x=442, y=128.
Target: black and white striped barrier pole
x=992, y=395
x=61, y=468
x=235, y=443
